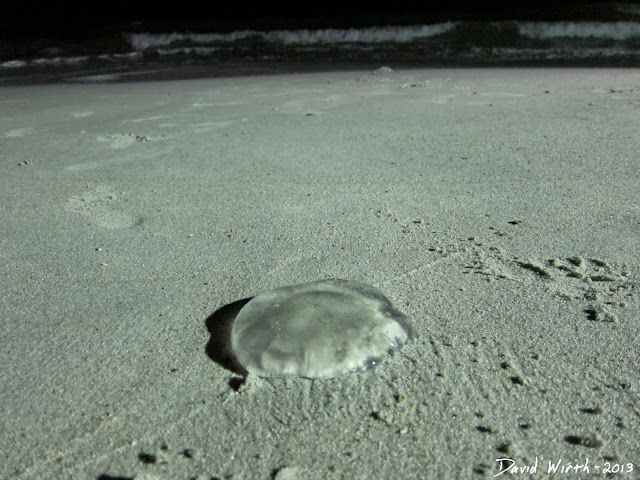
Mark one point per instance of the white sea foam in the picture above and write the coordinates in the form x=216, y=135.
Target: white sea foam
x=142, y=41
x=13, y=64
x=609, y=30
x=376, y=35
x=447, y=41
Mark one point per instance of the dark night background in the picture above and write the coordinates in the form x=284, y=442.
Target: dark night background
x=20, y=20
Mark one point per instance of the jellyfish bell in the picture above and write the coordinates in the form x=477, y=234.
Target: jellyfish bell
x=321, y=329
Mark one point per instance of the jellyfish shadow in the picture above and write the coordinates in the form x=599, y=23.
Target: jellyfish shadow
x=219, y=324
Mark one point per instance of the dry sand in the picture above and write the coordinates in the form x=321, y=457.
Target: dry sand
x=498, y=208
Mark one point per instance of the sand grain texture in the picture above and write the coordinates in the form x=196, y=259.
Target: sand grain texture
x=498, y=208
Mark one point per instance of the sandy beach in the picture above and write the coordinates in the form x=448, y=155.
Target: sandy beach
x=498, y=208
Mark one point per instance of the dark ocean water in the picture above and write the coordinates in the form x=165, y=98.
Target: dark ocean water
x=138, y=51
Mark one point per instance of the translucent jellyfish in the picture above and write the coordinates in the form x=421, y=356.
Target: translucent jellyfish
x=317, y=330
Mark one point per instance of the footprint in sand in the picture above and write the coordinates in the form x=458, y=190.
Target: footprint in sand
x=17, y=132
x=123, y=140
x=601, y=285
x=120, y=141
x=100, y=206
x=81, y=114
x=206, y=127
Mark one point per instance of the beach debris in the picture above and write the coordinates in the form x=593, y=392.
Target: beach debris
x=321, y=329
x=288, y=473
x=382, y=70
x=145, y=457
x=591, y=410
x=484, y=429
x=589, y=440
